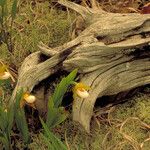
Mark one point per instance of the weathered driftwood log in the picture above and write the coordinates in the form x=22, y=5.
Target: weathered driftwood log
x=109, y=54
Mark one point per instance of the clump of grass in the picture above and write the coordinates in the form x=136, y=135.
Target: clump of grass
x=123, y=127
x=34, y=23
x=7, y=15
x=139, y=107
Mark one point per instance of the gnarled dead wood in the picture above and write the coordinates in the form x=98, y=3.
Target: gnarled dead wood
x=109, y=54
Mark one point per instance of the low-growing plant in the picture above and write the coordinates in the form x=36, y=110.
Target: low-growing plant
x=6, y=114
x=15, y=113
x=7, y=118
x=52, y=141
x=20, y=119
x=57, y=114
x=6, y=124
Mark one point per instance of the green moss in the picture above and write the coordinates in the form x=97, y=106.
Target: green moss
x=139, y=107
x=110, y=135
x=143, y=108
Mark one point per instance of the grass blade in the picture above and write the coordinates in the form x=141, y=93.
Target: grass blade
x=56, y=143
x=14, y=9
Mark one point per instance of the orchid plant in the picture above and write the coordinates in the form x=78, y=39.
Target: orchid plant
x=80, y=90
x=56, y=114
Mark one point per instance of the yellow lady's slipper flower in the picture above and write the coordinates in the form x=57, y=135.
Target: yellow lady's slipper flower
x=28, y=99
x=82, y=93
x=4, y=74
x=2, y=68
x=80, y=90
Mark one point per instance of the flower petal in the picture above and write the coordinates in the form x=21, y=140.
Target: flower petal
x=30, y=99
x=82, y=93
x=4, y=76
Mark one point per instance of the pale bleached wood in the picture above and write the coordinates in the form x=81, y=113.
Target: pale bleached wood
x=108, y=55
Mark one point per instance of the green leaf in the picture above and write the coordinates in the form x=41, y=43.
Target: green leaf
x=71, y=76
x=3, y=119
x=56, y=143
x=22, y=125
x=20, y=118
x=50, y=103
x=18, y=98
x=49, y=144
x=59, y=92
x=55, y=116
x=14, y=9
x=6, y=122
x=61, y=116
x=51, y=117
x=10, y=116
x=62, y=88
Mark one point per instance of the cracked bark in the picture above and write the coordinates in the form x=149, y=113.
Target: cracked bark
x=108, y=54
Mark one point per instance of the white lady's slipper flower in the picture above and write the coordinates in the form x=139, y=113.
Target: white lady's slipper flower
x=80, y=90
x=29, y=98
x=82, y=93
x=4, y=76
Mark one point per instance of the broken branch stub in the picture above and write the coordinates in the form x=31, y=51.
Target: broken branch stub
x=109, y=55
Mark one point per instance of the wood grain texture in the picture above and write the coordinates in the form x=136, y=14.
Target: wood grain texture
x=109, y=54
